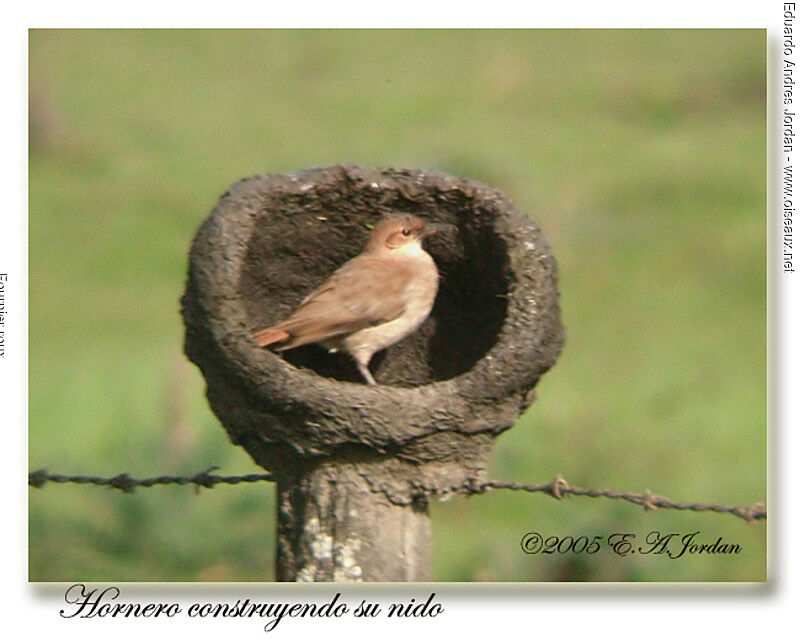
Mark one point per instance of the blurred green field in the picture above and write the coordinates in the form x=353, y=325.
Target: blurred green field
x=641, y=154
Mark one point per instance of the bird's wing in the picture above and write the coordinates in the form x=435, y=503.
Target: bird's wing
x=363, y=292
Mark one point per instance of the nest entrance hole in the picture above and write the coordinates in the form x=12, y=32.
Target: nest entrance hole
x=299, y=241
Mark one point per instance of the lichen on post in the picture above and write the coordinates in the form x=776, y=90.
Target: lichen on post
x=357, y=464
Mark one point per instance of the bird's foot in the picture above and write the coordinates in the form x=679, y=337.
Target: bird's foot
x=365, y=373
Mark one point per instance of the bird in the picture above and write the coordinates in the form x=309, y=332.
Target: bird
x=369, y=303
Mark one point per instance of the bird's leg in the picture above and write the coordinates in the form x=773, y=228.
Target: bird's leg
x=364, y=369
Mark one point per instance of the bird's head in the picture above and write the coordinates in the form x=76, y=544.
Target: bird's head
x=399, y=233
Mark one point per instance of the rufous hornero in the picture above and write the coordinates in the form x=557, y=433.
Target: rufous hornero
x=369, y=303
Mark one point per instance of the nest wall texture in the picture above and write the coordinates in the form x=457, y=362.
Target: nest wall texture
x=444, y=393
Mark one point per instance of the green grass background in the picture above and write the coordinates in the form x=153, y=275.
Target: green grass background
x=640, y=153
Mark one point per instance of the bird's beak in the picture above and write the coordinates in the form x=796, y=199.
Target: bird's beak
x=430, y=229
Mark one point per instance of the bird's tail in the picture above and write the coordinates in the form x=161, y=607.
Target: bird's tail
x=269, y=336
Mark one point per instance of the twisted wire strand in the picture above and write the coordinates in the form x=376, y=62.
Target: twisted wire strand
x=557, y=488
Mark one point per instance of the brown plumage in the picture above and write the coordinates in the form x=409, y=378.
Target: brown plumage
x=369, y=303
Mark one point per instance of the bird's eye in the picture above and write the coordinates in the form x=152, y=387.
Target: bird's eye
x=406, y=232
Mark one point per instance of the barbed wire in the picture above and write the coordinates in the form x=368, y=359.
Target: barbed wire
x=557, y=488
x=125, y=483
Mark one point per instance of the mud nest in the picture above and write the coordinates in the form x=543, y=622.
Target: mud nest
x=444, y=393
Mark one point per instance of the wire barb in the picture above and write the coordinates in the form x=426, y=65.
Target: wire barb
x=558, y=488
